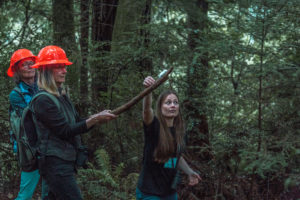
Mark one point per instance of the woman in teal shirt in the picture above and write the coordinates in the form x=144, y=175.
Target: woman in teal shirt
x=20, y=70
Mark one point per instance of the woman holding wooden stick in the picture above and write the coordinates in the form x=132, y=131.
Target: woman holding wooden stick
x=60, y=125
x=164, y=143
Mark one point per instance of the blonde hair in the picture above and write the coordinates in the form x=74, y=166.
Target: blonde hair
x=166, y=148
x=46, y=80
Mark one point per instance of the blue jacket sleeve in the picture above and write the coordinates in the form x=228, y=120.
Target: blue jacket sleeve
x=16, y=101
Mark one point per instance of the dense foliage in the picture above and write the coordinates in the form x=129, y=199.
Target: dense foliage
x=236, y=70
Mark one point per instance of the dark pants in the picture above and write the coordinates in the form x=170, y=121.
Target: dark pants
x=141, y=196
x=60, y=177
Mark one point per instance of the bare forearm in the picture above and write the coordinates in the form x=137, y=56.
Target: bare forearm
x=182, y=164
x=91, y=121
x=147, y=102
x=147, y=109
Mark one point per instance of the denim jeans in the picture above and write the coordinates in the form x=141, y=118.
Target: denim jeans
x=141, y=196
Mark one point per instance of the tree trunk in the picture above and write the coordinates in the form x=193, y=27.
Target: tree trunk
x=131, y=30
x=25, y=25
x=104, y=12
x=197, y=75
x=128, y=20
x=84, y=39
x=146, y=62
x=64, y=36
x=63, y=24
x=263, y=34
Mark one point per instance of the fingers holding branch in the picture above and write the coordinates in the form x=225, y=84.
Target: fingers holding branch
x=148, y=81
x=105, y=116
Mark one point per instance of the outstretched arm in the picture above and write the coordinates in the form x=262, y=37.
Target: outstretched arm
x=147, y=102
x=100, y=118
x=49, y=114
x=194, y=178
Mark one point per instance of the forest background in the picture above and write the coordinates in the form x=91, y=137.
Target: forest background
x=236, y=70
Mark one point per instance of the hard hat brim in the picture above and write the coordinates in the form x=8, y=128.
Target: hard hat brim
x=51, y=62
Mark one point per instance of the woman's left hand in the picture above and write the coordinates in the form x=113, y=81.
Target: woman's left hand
x=194, y=178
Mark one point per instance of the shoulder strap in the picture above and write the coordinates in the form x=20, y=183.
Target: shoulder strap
x=51, y=96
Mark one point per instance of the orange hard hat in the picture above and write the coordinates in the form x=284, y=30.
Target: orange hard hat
x=17, y=57
x=51, y=55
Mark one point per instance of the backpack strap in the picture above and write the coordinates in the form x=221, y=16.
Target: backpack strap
x=51, y=96
x=17, y=89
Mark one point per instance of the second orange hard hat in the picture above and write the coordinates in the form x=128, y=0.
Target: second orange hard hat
x=51, y=55
x=17, y=56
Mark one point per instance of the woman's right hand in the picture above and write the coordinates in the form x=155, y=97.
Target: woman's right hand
x=104, y=116
x=148, y=81
x=99, y=118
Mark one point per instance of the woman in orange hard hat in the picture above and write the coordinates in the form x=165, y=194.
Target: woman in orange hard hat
x=25, y=77
x=61, y=125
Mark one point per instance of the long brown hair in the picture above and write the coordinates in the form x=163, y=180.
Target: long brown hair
x=166, y=148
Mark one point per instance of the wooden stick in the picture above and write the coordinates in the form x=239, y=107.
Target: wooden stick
x=146, y=91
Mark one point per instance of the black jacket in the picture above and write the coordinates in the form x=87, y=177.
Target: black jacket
x=62, y=127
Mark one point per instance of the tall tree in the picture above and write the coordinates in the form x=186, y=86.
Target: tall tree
x=197, y=80
x=84, y=47
x=129, y=47
x=131, y=40
x=104, y=12
x=127, y=22
x=63, y=24
x=64, y=36
x=26, y=21
x=146, y=61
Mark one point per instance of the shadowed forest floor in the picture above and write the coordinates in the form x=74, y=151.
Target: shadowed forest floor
x=185, y=193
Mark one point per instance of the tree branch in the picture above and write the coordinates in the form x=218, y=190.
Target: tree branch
x=146, y=91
